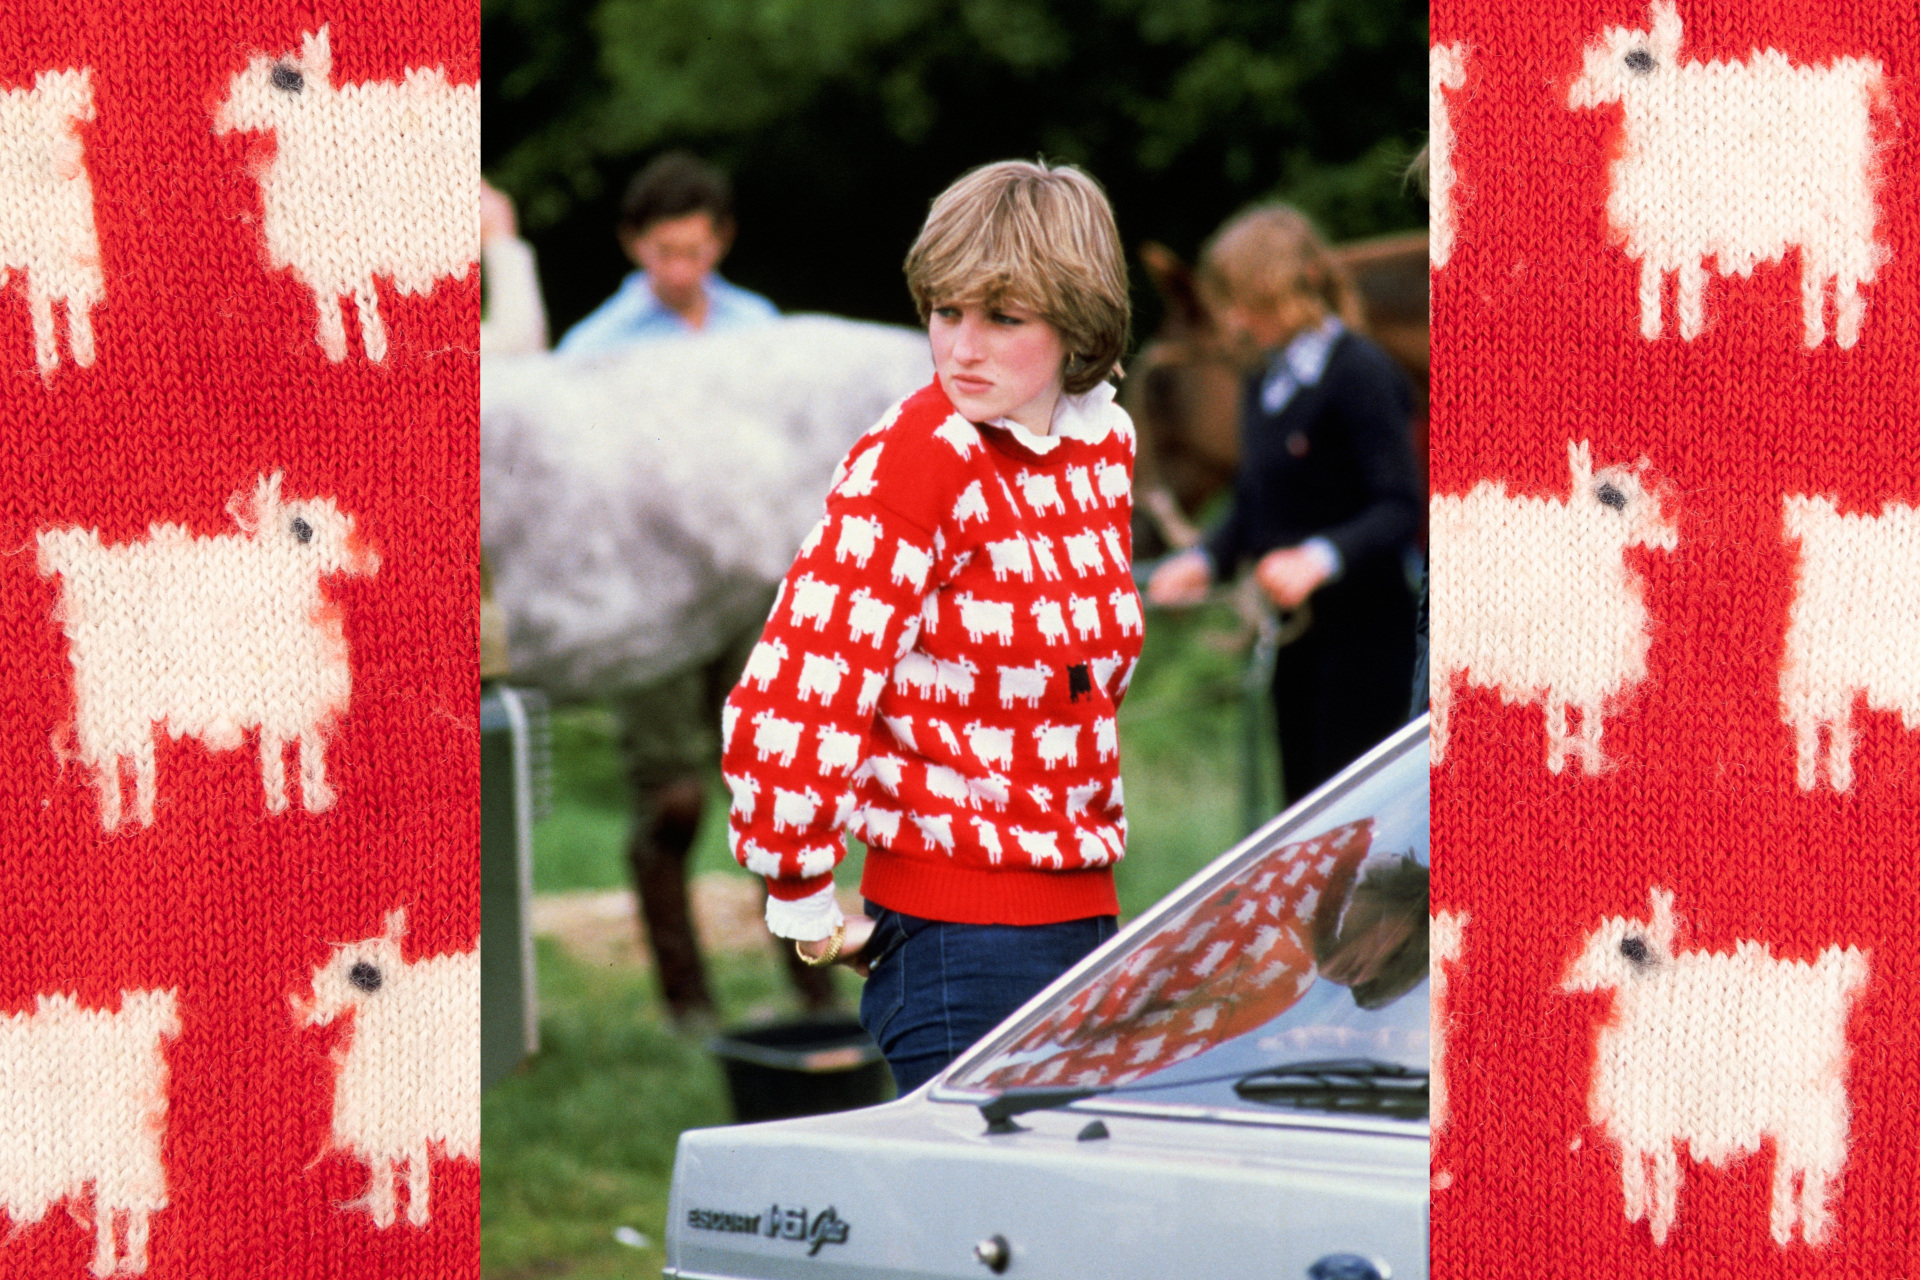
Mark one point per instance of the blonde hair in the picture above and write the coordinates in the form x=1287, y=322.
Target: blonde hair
x=1039, y=236
x=1272, y=253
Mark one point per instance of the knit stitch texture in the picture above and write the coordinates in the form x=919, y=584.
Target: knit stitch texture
x=238, y=595
x=1674, y=544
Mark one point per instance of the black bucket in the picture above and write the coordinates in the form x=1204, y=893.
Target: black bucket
x=801, y=1067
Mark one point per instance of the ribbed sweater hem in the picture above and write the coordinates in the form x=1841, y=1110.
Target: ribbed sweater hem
x=945, y=890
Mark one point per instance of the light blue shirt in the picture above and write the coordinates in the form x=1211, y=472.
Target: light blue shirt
x=634, y=314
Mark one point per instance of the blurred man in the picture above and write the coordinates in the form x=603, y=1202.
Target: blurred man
x=676, y=224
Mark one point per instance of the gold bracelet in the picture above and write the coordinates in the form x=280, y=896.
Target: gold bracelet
x=828, y=956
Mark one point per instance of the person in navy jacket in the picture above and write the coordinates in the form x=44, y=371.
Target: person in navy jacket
x=1327, y=498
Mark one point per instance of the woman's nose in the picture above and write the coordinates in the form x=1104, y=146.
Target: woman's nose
x=966, y=341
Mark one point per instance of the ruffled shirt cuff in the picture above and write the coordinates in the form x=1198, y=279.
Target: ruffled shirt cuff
x=1328, y=555
x=807, y=919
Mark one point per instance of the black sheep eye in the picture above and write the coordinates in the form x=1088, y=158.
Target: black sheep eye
x=1635, y=950
x=1608, y=495
x=304, y=531
x=1640, y=62
x=286, y=79
x=365, y=977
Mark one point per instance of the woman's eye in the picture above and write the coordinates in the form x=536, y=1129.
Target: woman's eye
x=1001, y=317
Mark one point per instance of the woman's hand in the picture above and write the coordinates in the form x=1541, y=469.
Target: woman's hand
x=853, y=945
x=496, y=212
x=1182, y=580
x=1290, y=575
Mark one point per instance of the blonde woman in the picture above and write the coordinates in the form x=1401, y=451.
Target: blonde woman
x=1327, y=498
x=942, y=666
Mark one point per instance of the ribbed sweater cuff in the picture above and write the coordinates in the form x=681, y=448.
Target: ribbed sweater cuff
x=943, y=890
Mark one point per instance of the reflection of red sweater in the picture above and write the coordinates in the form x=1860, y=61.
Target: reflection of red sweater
x=940, y=675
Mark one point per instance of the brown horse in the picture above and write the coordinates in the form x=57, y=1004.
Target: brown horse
x=1184, y=394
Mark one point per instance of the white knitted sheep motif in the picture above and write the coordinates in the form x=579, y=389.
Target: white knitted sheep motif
x=86, y=1102
x=47, y=232
x=1446, y=934
x=208, y=638
x=409, y=1079
x=1738, y=161
x=1850, y=632
x=1446, y=70
x=1719, y=1051
x=1533, y=597
x=373, y=179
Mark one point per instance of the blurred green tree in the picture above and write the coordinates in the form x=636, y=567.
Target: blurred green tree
x=841, y=119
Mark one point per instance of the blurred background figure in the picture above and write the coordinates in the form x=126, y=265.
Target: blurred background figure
x=515, y=320
x=1327, y=500
x=676, y=224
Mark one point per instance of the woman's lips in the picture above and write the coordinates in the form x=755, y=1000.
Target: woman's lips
x=972, y=386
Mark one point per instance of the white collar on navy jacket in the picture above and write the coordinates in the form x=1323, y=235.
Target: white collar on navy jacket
x=1301, y=363
x=1086, y=417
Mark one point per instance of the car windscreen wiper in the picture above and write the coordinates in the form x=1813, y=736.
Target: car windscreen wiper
x=1000, y=1110
x=1349, y=1085
x=1369, y=1080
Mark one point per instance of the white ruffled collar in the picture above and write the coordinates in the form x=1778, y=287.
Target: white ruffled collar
x=1301, y=363
x=1087, y=417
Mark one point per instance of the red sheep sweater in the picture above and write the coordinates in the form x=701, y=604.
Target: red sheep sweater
x=1676, y=633
x=940, y=676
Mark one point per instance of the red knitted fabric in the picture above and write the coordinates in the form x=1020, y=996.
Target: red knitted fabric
x=206, y=379
x=1677, y=1035
x=941, y=671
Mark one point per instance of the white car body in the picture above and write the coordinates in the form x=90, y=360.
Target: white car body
x=1155, y=1178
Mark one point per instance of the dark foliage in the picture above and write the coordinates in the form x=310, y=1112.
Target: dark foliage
x=841, y=119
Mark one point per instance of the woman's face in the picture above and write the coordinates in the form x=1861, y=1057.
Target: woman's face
x=1253, y=331
x=1002, y=361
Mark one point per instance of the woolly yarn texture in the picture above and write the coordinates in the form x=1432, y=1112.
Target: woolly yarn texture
x=241, y=650
x=1674, y=476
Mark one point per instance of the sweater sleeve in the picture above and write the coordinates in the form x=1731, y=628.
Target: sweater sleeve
x=796, y=725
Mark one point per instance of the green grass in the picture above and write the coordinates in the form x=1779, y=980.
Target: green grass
x=581, y=1140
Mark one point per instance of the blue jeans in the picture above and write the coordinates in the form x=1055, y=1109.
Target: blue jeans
x=936, y=987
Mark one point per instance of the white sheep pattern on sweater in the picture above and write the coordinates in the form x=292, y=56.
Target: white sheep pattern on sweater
x=1446, y=69
x=1739, y=162
x=1850, y=632
x=374, y=179
x=1719, y=1051
x=1533, y=597
x=85, y=1102
x=1446, y=932
x=963, y=701
x=47, y=231
x=210, y=638
x=409, y=1080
